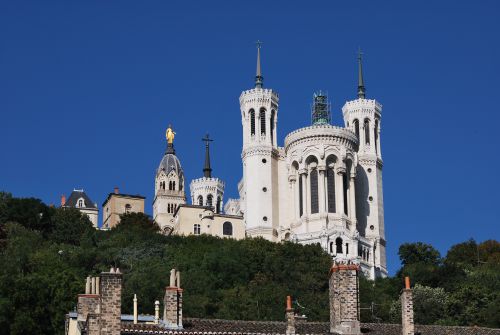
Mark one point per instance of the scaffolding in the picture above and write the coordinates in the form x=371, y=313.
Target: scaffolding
x=320, y=111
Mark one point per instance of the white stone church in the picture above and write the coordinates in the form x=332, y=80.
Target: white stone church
x=323, y=186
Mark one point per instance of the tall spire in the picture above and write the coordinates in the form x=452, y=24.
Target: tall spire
x=207, y=170
x=259, y=80
x=361, y=84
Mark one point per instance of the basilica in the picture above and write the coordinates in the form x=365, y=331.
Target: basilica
x=323, y=186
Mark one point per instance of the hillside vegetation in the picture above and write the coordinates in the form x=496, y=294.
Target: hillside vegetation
x=46, y=253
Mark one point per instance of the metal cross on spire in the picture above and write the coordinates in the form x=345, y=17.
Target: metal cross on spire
x=207, y=170
x=259, y=80
x=361, y=83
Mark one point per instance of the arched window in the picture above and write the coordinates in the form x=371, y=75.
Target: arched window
x=200, y=200
x=80, y=203
x=209, y=200
x=227, y=229
x=197, y=229
x=331, y=247
x=128, y=208
x=367, y=131
x=375, y=130
x=168, y=208
x=170, y=185
x=356, y=128
x=314, y=191
x=338, y=245
x=330, y=185
x=262, y=117
x=173, y=185
x=301, y=207
x=252, y=122
x=219, y=202
x=272, y=125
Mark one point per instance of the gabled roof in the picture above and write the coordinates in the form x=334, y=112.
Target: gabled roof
x=77, y=194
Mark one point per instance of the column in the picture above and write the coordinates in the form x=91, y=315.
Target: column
x=325, y=183
x=352, y=197
x=321, y=189
x=296, y=196
x=304, y=191
x=372, y=134
x=378, y=141
x=308, y=187
x=339, y=195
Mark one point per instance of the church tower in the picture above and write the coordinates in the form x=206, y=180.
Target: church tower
x=169, y=186
x=363, y=116
x=207, y=191
x=259, y=116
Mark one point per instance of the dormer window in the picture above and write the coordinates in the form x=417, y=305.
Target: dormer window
x=80, y=203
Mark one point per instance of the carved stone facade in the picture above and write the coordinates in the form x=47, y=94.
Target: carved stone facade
x=323, y=186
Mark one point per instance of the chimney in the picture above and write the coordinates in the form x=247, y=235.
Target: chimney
x=172, y=302
x=290, y=317
x=63, y=200
x=135, y=309
x=117, y=190
x=344, y=299
x=88, y=303
x=408, y=325
x=157, y=312
x=111, y=299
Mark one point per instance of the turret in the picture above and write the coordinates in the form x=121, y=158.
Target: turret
x=362, y=116
x=259, y=113
x=207, y=191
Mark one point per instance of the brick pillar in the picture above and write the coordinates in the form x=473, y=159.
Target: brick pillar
x=111, y=300
x=172, y=302
x=344, y=299
x=290, y=317
x=408, y=326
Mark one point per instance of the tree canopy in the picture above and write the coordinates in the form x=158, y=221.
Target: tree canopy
x=46, y=252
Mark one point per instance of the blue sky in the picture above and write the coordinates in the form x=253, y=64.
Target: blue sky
x=87, y=89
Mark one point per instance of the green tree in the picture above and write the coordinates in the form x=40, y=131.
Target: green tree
x=70, y=226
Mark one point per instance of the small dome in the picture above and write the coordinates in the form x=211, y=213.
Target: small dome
x=170, y=163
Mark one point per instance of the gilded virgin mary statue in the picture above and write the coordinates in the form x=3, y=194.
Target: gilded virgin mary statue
x=170, y=135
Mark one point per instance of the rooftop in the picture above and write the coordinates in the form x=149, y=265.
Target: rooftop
x=227, y=327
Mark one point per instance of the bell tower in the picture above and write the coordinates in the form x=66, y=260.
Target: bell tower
x=207, y=191
x=362, y=116
x=169, y=186
x=259, y=116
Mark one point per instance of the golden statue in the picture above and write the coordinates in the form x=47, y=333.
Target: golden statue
x=170, y=135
